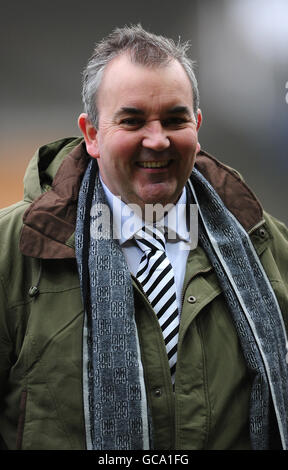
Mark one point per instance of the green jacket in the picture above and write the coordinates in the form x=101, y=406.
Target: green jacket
x=41, y=320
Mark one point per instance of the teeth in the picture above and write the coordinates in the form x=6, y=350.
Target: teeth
x=154, y=164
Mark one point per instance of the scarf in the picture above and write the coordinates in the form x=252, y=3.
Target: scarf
x=115, y=404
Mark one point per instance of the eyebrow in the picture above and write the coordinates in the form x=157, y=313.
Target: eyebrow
x=129, y=110
x=180, y=110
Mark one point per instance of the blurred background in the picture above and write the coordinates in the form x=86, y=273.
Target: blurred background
x=242, y=67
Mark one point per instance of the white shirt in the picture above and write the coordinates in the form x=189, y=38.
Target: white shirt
x=126, y=223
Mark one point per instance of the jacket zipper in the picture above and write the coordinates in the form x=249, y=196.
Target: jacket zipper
x=202, y=271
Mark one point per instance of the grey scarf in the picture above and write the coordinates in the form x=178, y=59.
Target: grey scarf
x=115, y=404
x=254, y=308
x=114, y=391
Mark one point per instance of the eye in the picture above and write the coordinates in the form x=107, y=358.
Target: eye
x=132, y=122
x=175, y=121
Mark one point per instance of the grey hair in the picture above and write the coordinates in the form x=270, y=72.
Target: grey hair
x=144, y=48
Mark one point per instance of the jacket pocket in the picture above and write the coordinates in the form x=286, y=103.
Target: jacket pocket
x=21, y=419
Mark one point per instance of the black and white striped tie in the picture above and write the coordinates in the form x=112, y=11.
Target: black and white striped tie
x=155, y=274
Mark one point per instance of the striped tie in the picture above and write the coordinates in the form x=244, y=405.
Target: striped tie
x=156, y=276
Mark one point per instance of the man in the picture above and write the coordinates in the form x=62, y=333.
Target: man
x=140, y=339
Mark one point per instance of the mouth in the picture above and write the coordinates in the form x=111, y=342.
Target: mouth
x=154, y=164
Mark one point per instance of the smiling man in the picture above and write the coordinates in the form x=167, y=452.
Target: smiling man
x=146, y=140
x=142, y=340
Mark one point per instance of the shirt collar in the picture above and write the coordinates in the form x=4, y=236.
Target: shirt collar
x=127, y=222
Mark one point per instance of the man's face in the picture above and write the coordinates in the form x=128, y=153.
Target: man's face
x=146, y=141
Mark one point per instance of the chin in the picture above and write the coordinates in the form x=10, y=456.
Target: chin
x=163, y=200
x=159, y=195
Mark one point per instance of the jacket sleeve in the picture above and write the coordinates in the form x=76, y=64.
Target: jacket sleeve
x=6, y=345
x=12, y=277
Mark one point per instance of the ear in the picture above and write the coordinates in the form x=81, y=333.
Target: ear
x=199, y=122
x=90, y=135
x=199, y=119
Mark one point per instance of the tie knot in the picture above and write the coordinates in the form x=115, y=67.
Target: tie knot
x=150, y=238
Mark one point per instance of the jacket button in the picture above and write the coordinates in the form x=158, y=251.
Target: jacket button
x=262, y=232
x=191, y=299
x=157, y=392
x=33, y=291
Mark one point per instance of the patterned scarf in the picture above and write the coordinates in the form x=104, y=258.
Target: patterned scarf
x=114, y=391
x=115, y=406
x=254, y=308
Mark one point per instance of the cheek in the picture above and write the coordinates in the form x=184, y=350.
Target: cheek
x=122, y=146
x=187, y=145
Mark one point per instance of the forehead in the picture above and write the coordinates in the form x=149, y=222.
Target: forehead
x=130, y=84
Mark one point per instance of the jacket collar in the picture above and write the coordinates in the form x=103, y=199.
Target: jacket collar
x=49, y=222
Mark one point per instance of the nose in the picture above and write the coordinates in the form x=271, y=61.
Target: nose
x=155, y=137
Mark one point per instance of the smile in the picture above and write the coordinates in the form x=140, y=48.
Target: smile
x=154, y=164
